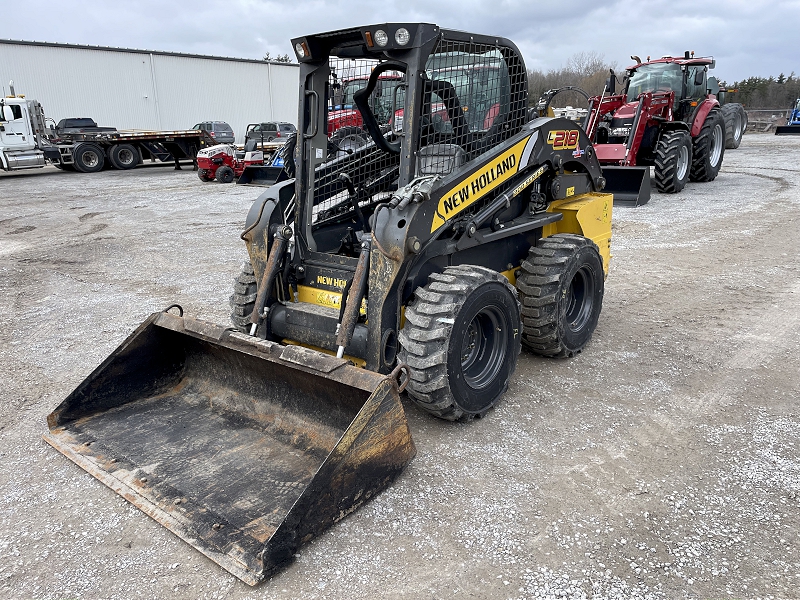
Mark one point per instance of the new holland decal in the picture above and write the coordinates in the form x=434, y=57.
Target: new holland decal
x=480, y=183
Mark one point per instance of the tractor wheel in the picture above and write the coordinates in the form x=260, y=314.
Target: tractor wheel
x=88, y=158
x=734, y=125
x=243, y=298
x=708, y=148
x=348, y=139
x=673, y=160
x=561, y=288
x=461, y=342
x=205, y=175
x=225, y=174
x=123, y=156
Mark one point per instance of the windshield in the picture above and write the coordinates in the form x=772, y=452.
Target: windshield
x=350, y=88
x=655, y=77
x=477, y=80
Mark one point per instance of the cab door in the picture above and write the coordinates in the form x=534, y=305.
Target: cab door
x=14, y=128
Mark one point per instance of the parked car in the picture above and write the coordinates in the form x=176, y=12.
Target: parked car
x=219, y=130
x=269, y=131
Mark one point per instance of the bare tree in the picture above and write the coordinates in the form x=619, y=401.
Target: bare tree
x=586, y=70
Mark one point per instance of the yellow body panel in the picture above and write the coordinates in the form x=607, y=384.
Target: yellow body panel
x=320, y=297
x=588, y=215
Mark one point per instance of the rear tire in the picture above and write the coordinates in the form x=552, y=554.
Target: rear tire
x=225, y=174
x=205, y=175
x=708, y=148
x=673, y=161
x=123, y=156
x=561, y=287
x=88, y=158
x=734, y=125
x=243, y=298
x=461, y=341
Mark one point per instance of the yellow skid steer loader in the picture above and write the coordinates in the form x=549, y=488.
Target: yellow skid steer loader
x=420, y=257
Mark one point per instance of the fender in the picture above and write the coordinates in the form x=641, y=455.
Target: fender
x=262, y=215
x=701, y=114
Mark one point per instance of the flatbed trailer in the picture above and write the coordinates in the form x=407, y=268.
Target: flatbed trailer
x=127, y=149
x=27, y=141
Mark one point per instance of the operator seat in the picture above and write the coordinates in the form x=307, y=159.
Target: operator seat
x=440, y=159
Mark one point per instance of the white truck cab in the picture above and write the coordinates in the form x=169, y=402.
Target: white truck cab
x=23, y=142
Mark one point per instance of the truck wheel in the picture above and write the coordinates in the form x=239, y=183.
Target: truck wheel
x=205, y=174
x=734, y=125
x=243, y=298
x=561, y=288
x=673, y=159
x=708, y=148
x=123, y=156
x=461, y=342
x=88, y=158
x=225, y=174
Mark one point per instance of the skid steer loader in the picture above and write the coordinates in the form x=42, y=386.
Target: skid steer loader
x=423, y=259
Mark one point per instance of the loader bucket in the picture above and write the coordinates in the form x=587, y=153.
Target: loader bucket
x=263, y=176
x=787, y=130
x=630, y=185
x=243, y=448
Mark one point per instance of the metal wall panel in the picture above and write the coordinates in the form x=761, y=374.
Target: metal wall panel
x=131, y=89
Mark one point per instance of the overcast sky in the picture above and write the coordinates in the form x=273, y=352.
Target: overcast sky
x=748, y=37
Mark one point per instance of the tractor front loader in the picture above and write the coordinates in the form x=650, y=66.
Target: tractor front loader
x=421, y=260
x=666, y=116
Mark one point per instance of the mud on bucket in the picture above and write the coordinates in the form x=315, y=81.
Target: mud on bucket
x=243, y=448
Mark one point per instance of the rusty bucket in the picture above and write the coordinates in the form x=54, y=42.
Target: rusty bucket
x=242, y=447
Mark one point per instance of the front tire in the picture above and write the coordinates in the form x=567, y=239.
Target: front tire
x=708, y=148
x=225, y=174
x=673, y=159
x=243, y=298
x=561, y=286
x=461, y=341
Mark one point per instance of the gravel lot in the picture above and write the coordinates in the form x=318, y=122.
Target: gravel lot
x=662, y=462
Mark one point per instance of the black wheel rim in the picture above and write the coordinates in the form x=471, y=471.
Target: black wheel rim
x=579, y=297
x=484, y=347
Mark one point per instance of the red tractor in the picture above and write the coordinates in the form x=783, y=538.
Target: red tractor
x=221, y=163
x=666, y=116
x=345, y=124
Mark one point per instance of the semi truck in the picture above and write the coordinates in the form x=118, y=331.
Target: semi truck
x=29, y=140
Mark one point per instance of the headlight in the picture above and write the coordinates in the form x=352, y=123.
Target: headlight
x=381, y=38
x=298, y=47
x=620, y=132
x=402, y=36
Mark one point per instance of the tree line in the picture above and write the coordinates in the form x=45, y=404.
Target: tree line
x=767, y=92
x=589, y=71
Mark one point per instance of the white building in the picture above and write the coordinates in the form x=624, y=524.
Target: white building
x=142, y=89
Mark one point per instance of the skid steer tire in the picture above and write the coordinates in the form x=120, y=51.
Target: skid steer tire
x=708, y=148
x=673, y=161
x=225, y=174
x=561, y=289
x=734, y=125
x=243, y=298
x=205, y=175
x=461, y=342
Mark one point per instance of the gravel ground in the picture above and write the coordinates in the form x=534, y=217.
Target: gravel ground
x=662, y=462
